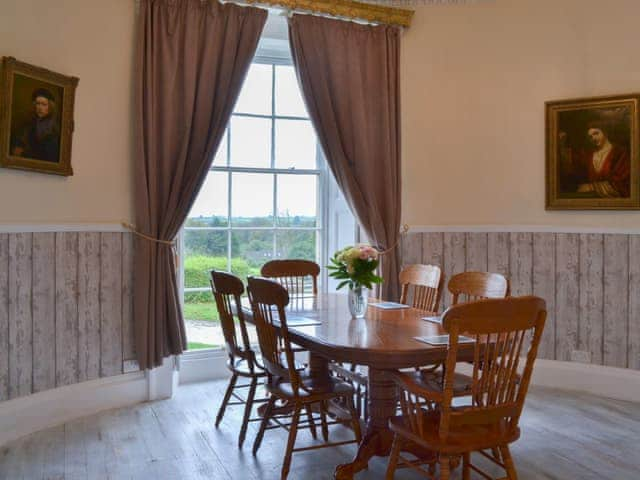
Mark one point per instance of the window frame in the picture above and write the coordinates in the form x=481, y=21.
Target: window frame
x=322, y=191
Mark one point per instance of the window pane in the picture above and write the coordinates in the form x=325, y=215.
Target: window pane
x=289, y=100
x=212, y=203
x=255, y=96
x=204, y=250
x=252, y=200
x=220, y=160
x=297, y=206
x=250, y=142
x=296, y=244
x=295, y=144
x=250, y=249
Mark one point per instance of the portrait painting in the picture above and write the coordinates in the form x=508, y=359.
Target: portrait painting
x=36, y=122
x=592, y=154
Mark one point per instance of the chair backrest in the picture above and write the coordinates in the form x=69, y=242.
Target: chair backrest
x=227, y=290
x=268, y=302
x=297, y=276
x=499, y=328
x=426, y=281
x=477, y=285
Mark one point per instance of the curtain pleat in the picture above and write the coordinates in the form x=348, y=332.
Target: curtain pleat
x=192, y=58
x=349, y=77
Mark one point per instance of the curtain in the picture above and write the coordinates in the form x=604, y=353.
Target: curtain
x=349, y=77
x=191, y=61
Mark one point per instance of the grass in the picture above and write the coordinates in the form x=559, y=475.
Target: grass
x=200, y=346
x=201, y=311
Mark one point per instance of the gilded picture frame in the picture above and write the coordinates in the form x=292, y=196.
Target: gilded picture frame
x=36, y=118
x=592, y=156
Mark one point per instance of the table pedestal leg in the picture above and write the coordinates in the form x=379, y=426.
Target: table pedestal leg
x=377, y=438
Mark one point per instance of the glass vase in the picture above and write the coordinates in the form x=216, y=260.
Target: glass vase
x=358, y=299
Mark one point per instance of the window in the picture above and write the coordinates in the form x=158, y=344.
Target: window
x=261, y=198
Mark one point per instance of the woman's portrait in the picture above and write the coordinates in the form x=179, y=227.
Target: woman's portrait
x=36, y=123
x=592, y=153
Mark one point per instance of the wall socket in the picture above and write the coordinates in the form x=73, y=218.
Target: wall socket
x=581, y=356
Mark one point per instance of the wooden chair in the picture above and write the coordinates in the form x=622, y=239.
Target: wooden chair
x=284, y=381
x=490, y=419
x=477, y=285
x=425, y=281
x=299, y=277
x=242, y=362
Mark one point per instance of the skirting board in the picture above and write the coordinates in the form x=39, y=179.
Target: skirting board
x=203, y=366
x=25, y=415
x=610, y=382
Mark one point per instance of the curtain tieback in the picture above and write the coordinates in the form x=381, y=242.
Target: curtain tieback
x=405, y=229
x=128, y=226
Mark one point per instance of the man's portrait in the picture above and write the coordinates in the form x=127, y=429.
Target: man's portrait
x=592, y=154
x=37, y=120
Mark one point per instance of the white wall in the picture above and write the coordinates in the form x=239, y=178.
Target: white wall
x=474, y=81
x=92, y=40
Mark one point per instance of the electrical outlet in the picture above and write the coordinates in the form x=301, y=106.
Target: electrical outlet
x=581, y=356
x=130, y=366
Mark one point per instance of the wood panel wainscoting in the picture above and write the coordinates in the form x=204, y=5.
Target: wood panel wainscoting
x=66, y=312
x=590, y=281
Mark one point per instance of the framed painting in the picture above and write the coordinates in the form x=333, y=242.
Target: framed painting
x=36, y=118
x=592, y=153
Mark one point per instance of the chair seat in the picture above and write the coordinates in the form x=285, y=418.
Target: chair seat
x=434, y=381
x=461, y=439
x=335, y=388
x=241, y=367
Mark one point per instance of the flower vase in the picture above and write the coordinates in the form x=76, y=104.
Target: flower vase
x=358, y=301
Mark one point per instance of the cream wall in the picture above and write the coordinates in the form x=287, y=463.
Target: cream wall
x=92, y=40
x=474, y=82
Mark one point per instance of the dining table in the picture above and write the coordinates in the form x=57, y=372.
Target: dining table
x=384, y=341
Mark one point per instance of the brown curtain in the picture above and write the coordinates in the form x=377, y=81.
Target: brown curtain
x=192, y=59
x=349, y=76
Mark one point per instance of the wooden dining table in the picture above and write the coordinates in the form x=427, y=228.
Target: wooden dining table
x=384, y=340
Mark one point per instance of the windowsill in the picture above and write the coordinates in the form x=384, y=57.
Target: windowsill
x=203, y=353
x=203, y=365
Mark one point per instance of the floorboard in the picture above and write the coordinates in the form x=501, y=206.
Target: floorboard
x=565, y=436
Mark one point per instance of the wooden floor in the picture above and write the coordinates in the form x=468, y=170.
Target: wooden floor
x=565, y=436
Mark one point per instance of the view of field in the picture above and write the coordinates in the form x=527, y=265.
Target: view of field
x=207, y=249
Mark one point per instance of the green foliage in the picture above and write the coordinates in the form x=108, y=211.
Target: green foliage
x=196, y=310
x=197, y=269
x=200, y=346
x=353, y=271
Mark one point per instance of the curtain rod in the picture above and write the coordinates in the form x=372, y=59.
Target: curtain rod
x=344, y=8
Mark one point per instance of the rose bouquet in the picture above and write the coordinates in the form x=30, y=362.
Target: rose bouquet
x=355, y=266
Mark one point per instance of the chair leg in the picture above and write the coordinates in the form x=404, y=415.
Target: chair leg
x=323, y=421
x=466, y=466
x=393, y=457
x=312, y=425
x=355, y=418
x=508, y=463
x=247, y=411
x=293, y=430
x=365, y=399
x=263, y=424
x=496, y=453
x=225, y=400
x=445, y=467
